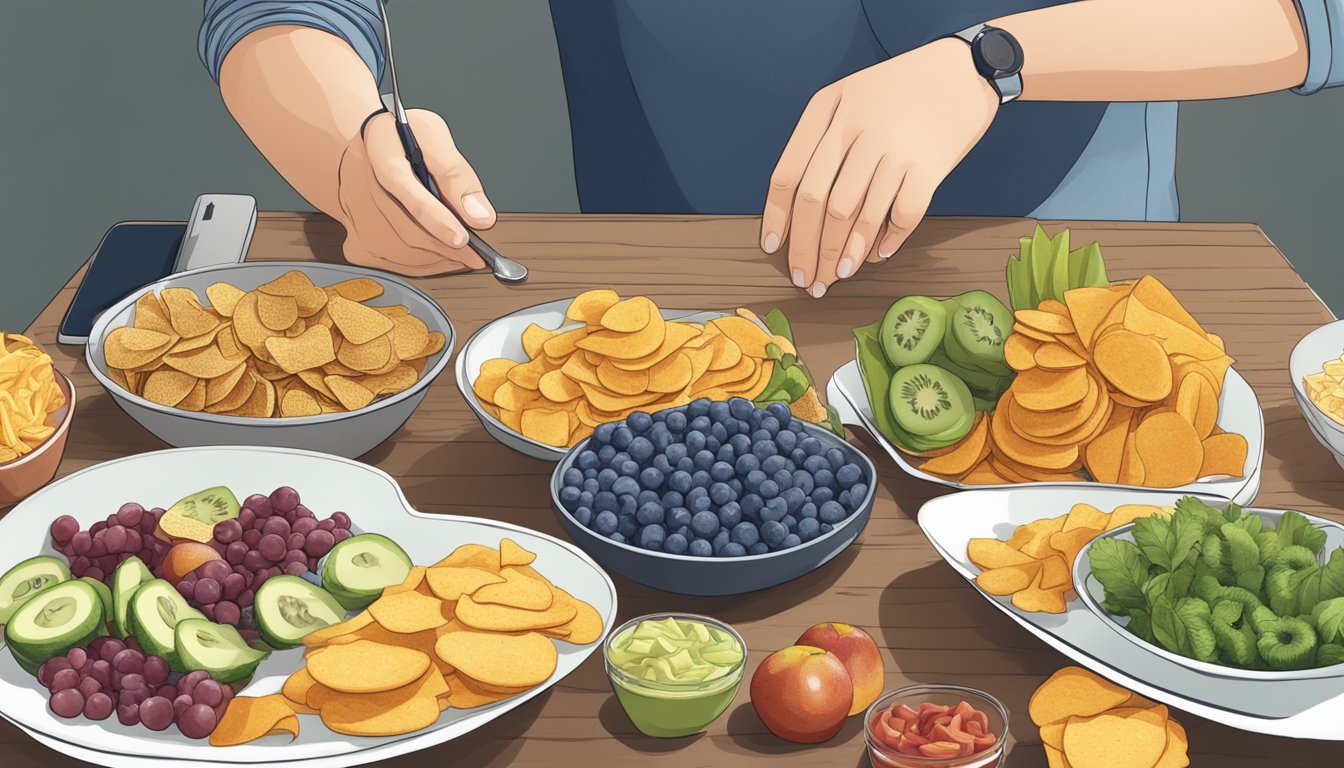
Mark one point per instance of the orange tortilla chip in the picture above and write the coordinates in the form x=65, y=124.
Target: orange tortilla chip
x=1008, y=579
x=1111, y=741
x=993, y=553
x=1037, y=599
x=249, y=718
x=969, y=451
x=1073, y=691
x=408, y=612
x=1136, y=365
x=1170, y=449
x=1224, y=454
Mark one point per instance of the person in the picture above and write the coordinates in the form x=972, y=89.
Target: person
x=843, y=122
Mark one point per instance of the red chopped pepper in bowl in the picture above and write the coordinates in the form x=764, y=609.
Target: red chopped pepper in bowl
x=936, y=726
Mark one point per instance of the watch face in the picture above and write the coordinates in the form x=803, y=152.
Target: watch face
x=998, y=53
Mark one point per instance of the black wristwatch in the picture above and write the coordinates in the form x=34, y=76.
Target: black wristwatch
x=997, y=57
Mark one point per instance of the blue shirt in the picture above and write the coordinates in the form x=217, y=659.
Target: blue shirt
x=684, y=107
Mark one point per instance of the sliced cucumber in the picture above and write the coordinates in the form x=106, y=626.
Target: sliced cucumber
x=125, y=581
x=288, y=607
x=215, y=648
x=55, y=620
x=155, y=611
x=26, y=579
x=357, y=569
x=104, y=595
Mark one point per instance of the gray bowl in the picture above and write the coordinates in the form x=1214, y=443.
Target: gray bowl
x=344, y=434
x=688, y=575
x=1309, y=355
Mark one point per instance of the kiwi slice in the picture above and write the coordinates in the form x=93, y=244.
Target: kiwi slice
x=912, y=330
x=194, y=517
x=979, y=328
x=927, y=400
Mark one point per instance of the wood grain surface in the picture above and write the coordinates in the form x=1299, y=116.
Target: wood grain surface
x=932, y=626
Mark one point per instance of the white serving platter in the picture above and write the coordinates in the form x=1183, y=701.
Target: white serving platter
x=374, y=502
x=1305, y=708
x=1238, y=411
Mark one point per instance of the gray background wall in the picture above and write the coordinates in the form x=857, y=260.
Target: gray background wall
x=107, y=115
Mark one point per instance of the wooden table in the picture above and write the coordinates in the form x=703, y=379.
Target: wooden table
x=932, y=626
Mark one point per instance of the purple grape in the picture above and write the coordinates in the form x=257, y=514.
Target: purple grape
x=228, y=531
x=168, y=692
x=189, y=681
x=232, y=585
x=301, y=512
x=132, y=681
x=295, y=541
x=245, y=619
x=64, y=680
x=319, y=543
x=129, y=515
x=304, y=525
x=101, y=672
x=115, y=682
x=245, y=599
x=274, y=570
x=97, y=528
x=295, y=569
x=96, y=645
x=259, y=504
x=227, y=612
x=128, y=661
x=81, y=542
x=130, y=697
x=112, y=520
x=128, y=714
x=146, y=554
x=215, y=569
x=208, y=611
x=76, y=657
x=134, y=644
x=186, y=589
x=98, y=548
x=47, y=672
x=114, y=538
x=64, y=528
x=235, y=552
x=156, y=670
x=327, y=525
x=284, y=499
x=341, y=534
x=95, y=573
x=98, y=706
x=207, y=591
x=276, y=525
x=251, y=537
x=254, y=561
x=156, y=713
x=149, y=521
x=89, y=686
x=134, y=541
x=272, y=547
x=295, y=556
x=208, y=692
x=79, y=565
x=197, y=722
x=341, y=520
x=110, y=649
x=180, y=705
x=67, y=703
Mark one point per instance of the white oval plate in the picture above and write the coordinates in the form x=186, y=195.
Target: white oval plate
x=1310, y=708
x=504, y=338
x=1238, y=411
x=374, y=502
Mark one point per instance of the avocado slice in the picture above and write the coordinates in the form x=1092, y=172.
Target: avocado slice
x=154, y=613
x=125, y=581
x=26, y=579
x=215, y=648
x=55, y=620
x=104, y=594
x=357, y=569
x=288, y=607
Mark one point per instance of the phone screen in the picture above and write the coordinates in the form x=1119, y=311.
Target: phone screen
x=131, y=255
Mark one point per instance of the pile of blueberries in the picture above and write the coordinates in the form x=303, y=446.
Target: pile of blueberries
x=712, y=479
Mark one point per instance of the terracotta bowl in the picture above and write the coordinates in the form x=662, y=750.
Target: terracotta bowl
x=21, y=477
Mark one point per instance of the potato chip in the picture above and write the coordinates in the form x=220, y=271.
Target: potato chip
x=1110, y=741
x=628, y=315
x=120, y=355
x=747, y=335
x=472, y=556
x=1136, y=365
x=510, y=553
x=499, y=618
x=1057, y=357
x=1055, y=571
x=1175, y=755
x=348, y=392
x=1073, y=691
x=452, y=582
x=1040, y=390
x=513, y=661
x=366, y=667
x=1024, y=451
x=992, y=553
x=1019, y=351
x=557, y=387
x=1170, y=449
x=549, y=427
x=1038, y=599
x=151, y=315
x=462, y=695
x=1128, y=513
x=357, y=323
x=367, y=357
x=359, y=289
x=277, y=312
x=589, y=306
x=517, y=591
x=249, y=718
x=261, y=401
x=625, y=346
x=493, y=374
x=295, y=690
x=1224, y=454
x=671, y=375
x=406, y=612
x=678, y=336
x=387, y=713
x=1049, y=322
x=168, y=387
x=1052, y=734
x=1006, y=580
x=185, y=312
x=311, y=350
x=1088, y=307
x=622, y=382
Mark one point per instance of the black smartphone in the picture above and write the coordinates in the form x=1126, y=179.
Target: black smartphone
x=132, y=254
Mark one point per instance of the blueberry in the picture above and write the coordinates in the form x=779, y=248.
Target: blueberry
x=781, y=412
x=775, y=509
x=765, y=450
x=606, y=522
x=794, y=498
x=718, y=432
x=695, y=441
x=790, y=522
x=647, y=496
x=811, y=446
x=569, y=497
x=617, y=537
x=826, y=528
x=712, y=444
x=720, y=540
x=746, y=464
x=705, y=524
x=680, y=481
x=661, y=464
x=605, y=478
x=701, y=548
x=604, y=454
x=815, y=464
x=769, y=489
x=605, y=501
x=770, y=424
x=628, y=527
x=686, y=532
x=808, y=528
x=759, y=548
x=628, y=469
x=673, y=499
x=797, y=457
x=701, y=479
x=624, y=486
x=790, y=541
x=641, y=449
x=820, y=495
x=584, y=515
x=651, y=479
x=686, y=465
x=832, y=512
x=587, y=498
x=802, y=480
x=626, y=505
x=730, y=514
x=590, y=474
x=675, y=544
x=773, y=532
x=808, y=510
x=701, y=503
x=651, y=537
x=774, y=464
x=745, y=533
x=732, y=549
x=648, y=514
x=587, y=460
x=849, y=474
x=658, y=417
x=697, y=493
x=700, y=423
x=787, y=440
x=736, y=485
x=740, y=408
x=602, y=434
x=617, y=459
x=754, y=479
x=721, y=493
x=741, y=444
x=857, y=493
x=677, y=517
x=836, y=457
x=761, y=436
x=845, y=500
x=621, y=437
x=784, y=479
x=719, y=410
x=721, y=471
x=726, y=454
x=752, y=504
x=698, y=407
x=676, y=422
x=660, y=437
x=639, y=422
x=573, y=476
x=824, y=478
x=591, y=485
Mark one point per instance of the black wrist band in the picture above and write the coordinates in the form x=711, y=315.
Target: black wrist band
x=372, y=115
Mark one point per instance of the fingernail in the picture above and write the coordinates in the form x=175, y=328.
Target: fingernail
x=886, y=249
x=474, y=206
x=817, y=290
x=845, y=268
x=771, y=243
x=798, y=277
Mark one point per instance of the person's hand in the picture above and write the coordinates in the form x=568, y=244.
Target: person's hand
x=866, y=157
x=391, y=221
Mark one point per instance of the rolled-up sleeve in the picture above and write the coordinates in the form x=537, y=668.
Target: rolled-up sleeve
x=1323, y=24
x=228, y=21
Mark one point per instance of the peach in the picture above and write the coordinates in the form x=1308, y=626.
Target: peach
x=184, y=558
x=857, y=651
x=802, y=693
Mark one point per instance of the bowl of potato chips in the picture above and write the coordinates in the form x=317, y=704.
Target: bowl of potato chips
x=1317, y=369
x=37, y=403
x=299, y=355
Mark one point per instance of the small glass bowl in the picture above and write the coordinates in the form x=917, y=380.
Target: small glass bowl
x=882, y=756
x=673, y=710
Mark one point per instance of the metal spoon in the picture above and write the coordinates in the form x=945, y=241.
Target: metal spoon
x=506, y=270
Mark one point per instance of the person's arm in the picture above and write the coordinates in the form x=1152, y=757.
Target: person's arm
x=301, y=79
x=859, y=171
